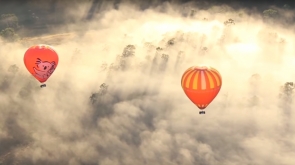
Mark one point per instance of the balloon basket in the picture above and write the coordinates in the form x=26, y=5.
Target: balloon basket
x=43, y=85
x=202, y=112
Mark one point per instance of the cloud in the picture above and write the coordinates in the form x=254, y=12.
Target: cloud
x=141, y=115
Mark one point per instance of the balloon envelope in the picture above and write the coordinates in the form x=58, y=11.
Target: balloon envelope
x=41, y=61
x=201, y=84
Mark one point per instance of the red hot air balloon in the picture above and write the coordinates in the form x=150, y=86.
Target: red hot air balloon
x=41, y=61
x=201, y=84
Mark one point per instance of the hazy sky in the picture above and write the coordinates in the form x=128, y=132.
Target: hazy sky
x=145, y=118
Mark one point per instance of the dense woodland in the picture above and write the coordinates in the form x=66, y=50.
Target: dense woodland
x=35, y=17
x=28, y=18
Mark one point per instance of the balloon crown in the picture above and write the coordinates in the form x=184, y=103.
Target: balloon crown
x=42, y=46
x=201, y=67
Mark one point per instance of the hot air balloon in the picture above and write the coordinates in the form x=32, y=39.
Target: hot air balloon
x=201, y=84
x=41, y=61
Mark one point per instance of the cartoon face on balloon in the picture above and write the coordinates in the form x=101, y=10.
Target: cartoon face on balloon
x=44, y=68
x=41, y=61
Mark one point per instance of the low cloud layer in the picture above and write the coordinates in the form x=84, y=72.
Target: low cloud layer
x=108, y=103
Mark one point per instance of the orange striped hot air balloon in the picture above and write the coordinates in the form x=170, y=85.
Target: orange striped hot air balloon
x=201, y=84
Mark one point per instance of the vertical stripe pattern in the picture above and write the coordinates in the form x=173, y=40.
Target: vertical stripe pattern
x=201, y=78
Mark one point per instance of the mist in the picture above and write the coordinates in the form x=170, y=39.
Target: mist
x=116, y=99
